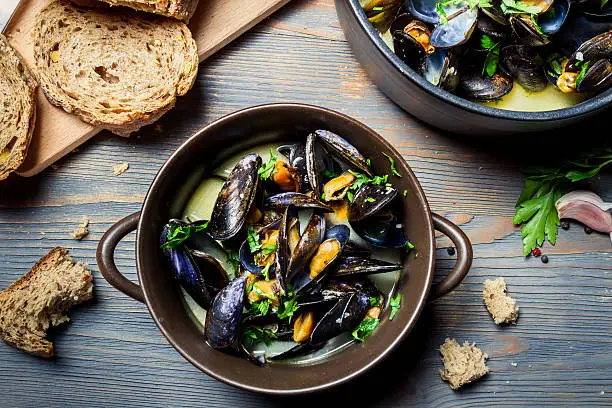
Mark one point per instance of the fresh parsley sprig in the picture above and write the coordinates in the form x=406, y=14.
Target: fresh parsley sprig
x=253, y=240
x=395, y=305
x=365, y=328
x=492, y=59
x=518, y=7
x=179, y=233
x=265, y=171
x=254, y=334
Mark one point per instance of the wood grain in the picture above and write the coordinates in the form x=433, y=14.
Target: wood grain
x=113, y=355
x=215, y=24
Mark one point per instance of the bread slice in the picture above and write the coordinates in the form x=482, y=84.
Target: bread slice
x=40, y=298
x=116, y=68
x=18, y=109
x=181, y=9
x=462, y=364
x=503, y=308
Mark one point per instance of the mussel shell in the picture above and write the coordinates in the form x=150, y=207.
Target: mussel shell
x=494, y=13
x=401, y=21
x=408, y=49
x=474, y=85
x=344, y=316
x=336, y=287
x=344, y=150
x=354, y=266
x=424, y=10
x=553, y=67
x=441, y=69
x=382, y=230
x=205, y=249
x=235, y=199
x=492, y=27
x=525, y=65
x=224, y=315
x=552, y=21
x=368, y=200
x=577, y=30
x=312, y=167
x=313, y=235
x=281, y=260
x=593, y=8
x=595, y=49
x=525, y=31
x=458, y=30
x=353, y=249
x=296, y=154
x=298, y=200
x=598, y=78
x=301, y=282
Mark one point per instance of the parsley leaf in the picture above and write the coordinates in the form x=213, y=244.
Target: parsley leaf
x=263, y=294
x=365, y=328
x=254, y=334
x=329, y=173
x=233, y=258
x=492, y=59
x=259, y=308
x=392, y=162
x=253, y=239
x=395, y=305
x=539, y=215
x=603, y=3
x=405, y=193
x=583, y=70
x=518, y=7
x=409, y=245
x=350, y=196
x=370, y=200
x=265, y=171
x=267, y=249
x=376, y=300
x=180, y=232
x=288, y=309
x=266, y=272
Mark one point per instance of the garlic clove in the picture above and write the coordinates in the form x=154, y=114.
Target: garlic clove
x=584, y=195
x=586, y=212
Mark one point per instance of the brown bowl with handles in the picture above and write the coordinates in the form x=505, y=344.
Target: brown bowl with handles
x=176, y=181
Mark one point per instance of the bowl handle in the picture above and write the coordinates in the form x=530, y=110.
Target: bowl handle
x=105, y=256
x=464, y=256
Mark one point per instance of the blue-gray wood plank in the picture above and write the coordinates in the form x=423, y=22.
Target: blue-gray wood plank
x=112, y=355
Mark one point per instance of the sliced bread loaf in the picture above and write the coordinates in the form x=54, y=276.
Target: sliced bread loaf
x=17, y=109
x=40, y=298
x=181, y=9
x=116, y=68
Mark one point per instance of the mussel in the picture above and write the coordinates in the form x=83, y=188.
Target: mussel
x=354, y=266
x=525, y=65
x=234, y=201
x=343, y=149
x=345, y=315
x=224, y=315
x=313, y=236
x=298, y=200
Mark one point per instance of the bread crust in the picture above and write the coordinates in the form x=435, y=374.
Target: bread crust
x=115, y=68
x=179, y=9
x=13, y=66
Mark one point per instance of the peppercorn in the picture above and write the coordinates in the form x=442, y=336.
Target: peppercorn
x=536, y=252
x=451, y=251
x=588, y=230
x=544, y=259
x=565, y=225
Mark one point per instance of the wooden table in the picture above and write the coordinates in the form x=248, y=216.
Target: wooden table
x=112, y=354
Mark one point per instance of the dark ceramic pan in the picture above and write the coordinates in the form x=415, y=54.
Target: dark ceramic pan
x=438, y=107
x=175, y=182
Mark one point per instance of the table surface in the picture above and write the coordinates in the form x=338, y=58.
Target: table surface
x=112, y=354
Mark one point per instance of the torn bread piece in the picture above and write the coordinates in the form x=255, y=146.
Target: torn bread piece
x=462, y=364
x=17, y=109
x=81, y=231
x=120, y=168
x=40, y=298
x=503, y=308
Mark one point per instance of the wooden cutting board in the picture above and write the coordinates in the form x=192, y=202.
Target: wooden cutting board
x=215, y=24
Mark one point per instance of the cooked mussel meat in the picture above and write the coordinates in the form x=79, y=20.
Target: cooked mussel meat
x=313, y=236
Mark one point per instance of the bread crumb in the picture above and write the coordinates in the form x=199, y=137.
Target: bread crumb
x=503, y=308
x=462, y=364
x=120, y=168
x=81, y=231
x=513, y=364
x=42, y=235
x=158, y=128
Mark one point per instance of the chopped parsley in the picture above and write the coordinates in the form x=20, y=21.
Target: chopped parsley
x=265, y=171
x=409, y=245
x=350, y=196
x=369, y=162
x=583, y=70
x=267, y=249
x=405, y=193
x=259, y=308
x=180, y=232
x=266, y=272
x=492, y=59
x=370, y=200
x=395, y=305
x=553, y=64
x=537, y=26
x=392, y=162
x=254, y=334
x=518, y=7
x=376, y=300
x=289, y=307
x=329, y=173
x=263, y=294
x=365, y=328
x=233, y=258
x=361, y=179
x=322, y=196
x=253, y=240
